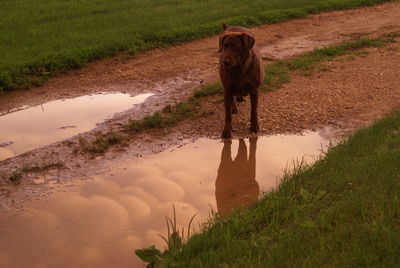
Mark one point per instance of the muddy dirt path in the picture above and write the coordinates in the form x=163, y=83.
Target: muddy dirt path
x=350, y=92
x=187, y=65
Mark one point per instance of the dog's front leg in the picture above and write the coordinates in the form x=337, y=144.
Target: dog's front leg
x=253, y=119
x=228, y=99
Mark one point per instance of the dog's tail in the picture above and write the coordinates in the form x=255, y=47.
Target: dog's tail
x=224, y=26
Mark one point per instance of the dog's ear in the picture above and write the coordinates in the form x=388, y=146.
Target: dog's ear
x=224, y=26
x=248, y=40
x=221, y=42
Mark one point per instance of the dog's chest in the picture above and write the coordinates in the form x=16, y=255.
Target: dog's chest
x=241, y=86
x=241, y=89
x=238, y=83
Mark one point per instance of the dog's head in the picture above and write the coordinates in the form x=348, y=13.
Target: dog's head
x=234, y=47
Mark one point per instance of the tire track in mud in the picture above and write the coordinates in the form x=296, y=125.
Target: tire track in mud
x=351, y=93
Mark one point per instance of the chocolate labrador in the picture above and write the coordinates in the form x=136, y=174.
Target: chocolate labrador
x=241, y=71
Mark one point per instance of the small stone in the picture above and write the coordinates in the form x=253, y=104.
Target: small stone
x=39, y=180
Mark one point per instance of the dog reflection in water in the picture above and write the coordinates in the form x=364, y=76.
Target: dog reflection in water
x=236, y=183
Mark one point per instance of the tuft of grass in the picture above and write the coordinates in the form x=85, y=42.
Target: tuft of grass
x=174, y=241
x=209, y=89
x=343, y=211
x=275, y=75
x=15, y=176
x=278, y=73
x=67, y=34
x=309, y=61
x=42, y=167
x=170, y=116
x=101, y=143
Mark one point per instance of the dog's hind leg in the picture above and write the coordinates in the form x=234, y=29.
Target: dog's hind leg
x=234, y=107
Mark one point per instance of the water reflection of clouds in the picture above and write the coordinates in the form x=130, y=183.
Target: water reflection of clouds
x=100, y=223
x=111, y=216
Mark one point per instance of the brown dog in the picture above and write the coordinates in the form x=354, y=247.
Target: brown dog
x=241, y=72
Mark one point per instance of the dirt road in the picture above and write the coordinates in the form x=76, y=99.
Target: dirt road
x=350, y=92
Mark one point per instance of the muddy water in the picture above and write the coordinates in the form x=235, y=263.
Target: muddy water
x=99, y=223
x=33, y=127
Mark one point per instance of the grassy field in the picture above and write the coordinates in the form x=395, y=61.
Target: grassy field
x=343, y=211
x=41, y=38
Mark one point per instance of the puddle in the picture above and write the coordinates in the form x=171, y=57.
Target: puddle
x=99, y=223
x=33, y=127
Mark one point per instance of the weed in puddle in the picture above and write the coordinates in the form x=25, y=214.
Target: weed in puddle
x=174, y=241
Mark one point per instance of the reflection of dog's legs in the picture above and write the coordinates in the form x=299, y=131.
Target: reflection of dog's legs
x=252, y=157
x=241, y=157
x=253, y=119
x=226, y=157
x=224, y=178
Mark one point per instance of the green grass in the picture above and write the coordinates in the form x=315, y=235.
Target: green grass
x=38, y=167
x=278, y=73
x=41, y=38
x=275, y=75
x=102, y=143
x=209, y=89
x=15, y=175
x=308, y=61
x=343, y=211
x=170, y=116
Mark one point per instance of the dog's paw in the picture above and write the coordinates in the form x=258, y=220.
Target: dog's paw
x=226, y=134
